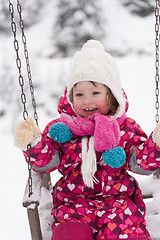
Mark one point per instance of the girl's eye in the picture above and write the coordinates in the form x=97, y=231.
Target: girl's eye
x=95, y=93
x=79, y=94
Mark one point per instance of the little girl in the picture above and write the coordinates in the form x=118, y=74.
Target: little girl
x=93, y=144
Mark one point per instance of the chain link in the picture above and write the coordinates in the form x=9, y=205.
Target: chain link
x=30, y=192
x=157, y=59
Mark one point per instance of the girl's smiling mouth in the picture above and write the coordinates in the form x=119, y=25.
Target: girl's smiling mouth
x=90, y=109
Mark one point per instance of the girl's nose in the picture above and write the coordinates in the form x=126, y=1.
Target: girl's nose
x=87, y=100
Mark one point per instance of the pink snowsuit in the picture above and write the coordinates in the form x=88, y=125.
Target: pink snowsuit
x=114, y=208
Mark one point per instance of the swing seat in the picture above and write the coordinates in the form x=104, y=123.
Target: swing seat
x=40, y=183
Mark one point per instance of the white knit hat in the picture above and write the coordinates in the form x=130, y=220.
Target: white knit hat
x=92, y=63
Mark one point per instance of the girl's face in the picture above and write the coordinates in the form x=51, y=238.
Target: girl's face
x=89, y=98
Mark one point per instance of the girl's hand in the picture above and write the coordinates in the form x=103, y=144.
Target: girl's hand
x=26, y=132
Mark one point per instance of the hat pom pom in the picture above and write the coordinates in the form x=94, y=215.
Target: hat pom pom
x=114, y=157
x=60, y=132
x=93, y=44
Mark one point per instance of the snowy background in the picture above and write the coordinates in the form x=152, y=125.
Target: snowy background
x=126, y=28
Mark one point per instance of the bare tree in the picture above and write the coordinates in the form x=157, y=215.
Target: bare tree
x=77, y=21
x=142, y=8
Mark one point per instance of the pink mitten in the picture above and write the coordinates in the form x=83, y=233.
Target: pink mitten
x=106, y=133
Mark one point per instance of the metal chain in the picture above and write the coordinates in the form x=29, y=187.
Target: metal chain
x=21, y=79
x=18, y=60
x=157, y=7
x=21, y=23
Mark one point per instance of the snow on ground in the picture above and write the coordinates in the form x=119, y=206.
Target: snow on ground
x=13, y=218
x=137, y=76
